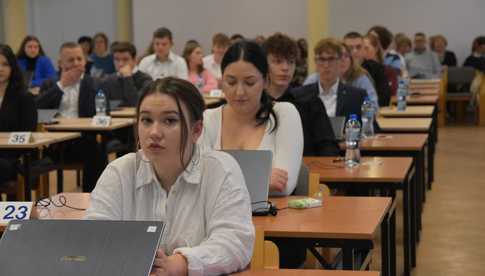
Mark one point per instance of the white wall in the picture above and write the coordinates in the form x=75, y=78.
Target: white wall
x=58, y=21
x=189, y=19
x=459, y=21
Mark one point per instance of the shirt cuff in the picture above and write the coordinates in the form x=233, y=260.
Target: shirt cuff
x=60, y=86
x=194, y=266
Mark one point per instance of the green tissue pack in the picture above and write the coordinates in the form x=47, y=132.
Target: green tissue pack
x=303, y=203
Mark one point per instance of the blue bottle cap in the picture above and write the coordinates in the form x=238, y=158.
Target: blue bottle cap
x=353, y=117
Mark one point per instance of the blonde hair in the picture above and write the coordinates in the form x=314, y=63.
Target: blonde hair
x=374, y=41
x=355, y=71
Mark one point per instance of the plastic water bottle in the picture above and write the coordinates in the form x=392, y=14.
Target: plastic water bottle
x=100, y=102
x=352, y=137
x=199, y=83
x=401, y=95
x=368, y=113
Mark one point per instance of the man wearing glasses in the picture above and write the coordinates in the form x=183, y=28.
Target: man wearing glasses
x=338, y=98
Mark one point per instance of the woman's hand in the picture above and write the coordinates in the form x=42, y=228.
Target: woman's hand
x=175, y=265
x=279, y=180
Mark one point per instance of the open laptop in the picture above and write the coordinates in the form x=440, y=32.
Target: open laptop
x=46, y=116
x=256, y=167
x=79, y=247
x=338, y=125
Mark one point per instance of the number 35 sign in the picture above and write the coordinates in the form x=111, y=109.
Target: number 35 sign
x=14, y=210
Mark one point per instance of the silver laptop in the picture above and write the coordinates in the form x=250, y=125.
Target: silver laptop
x=256, y=167
x=338, y=125
x=46, y=116
x=79, y=247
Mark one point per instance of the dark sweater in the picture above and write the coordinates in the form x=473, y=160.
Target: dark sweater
x=128, y=89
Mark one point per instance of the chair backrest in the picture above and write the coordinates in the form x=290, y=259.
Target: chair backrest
x=460, y=75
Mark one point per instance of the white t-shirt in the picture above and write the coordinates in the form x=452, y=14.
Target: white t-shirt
x=174, y=66
x=286, y=142
x=69, y=106
x=207, y=213
x=212, y=66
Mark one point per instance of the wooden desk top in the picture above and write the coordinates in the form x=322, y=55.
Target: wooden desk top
x=305, y=272
x=40, y=139
x=340, y=217
x=77, y=200
x=130, y=112
x=371, y=169
x=419, y=99
x=84, y=124
x=404, y=124
x=423, y=91
x=411, y=111
x=393, y=142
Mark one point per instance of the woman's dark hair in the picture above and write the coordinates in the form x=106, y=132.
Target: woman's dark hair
x=183, y=92
x=21, y=52
x=189, y=48
x=251, y=52
x=16, y=81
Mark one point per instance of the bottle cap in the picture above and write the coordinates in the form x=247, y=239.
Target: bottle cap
x=353, y=117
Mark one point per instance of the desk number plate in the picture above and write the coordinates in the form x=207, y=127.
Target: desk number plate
x=20, y=138
x=14, y=210
x=101, y=120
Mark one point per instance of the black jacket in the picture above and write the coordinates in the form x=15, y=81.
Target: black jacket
x=52, y=96
x=378, y=74
x=476, y=62
x=18, y=112
x=127, y=90
x=449, y=59
x=349, y=99
x=318, y=136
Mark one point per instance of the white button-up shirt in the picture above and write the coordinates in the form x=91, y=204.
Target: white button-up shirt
x=174, y=66
x=329, y=98
x=207, y=213
x=69, y=105
x=213, y=67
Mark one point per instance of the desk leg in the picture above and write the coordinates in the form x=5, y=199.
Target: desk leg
x=347, y=258
x=413, y=214
x=27, y=177
x=60, y=170
x=431, y=152
x=406, y=228
x=388, y=237
x=421, y=188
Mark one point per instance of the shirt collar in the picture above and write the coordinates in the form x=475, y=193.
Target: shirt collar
x=145, y=174
x=170, y=57
x=333, y=89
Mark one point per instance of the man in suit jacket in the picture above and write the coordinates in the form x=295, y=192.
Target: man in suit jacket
x=126, y=85
x=74, y=92
x=339, y=99
x=73, y=95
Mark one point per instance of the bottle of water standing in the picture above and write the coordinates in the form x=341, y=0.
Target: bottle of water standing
x=199, y=83
x=352, y=137
x=368, y=113
x=100, y=102
x=401, y=95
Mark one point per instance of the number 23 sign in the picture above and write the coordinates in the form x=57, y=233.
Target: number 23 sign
x=14, y=210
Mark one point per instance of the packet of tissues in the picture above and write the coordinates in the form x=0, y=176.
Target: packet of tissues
x=303, y=203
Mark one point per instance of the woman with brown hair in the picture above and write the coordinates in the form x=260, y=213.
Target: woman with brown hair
x=35, y=65
x=198, y=76
x=200, y=196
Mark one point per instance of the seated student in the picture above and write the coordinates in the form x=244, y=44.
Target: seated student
x=338, y=98
x=73, y=95
x=212, y=62
x=437, y=44
x=422, y=63
x=86, y=43
x=35, y=65
x=127, y=83
x=200, y=196
x=250, y=119
x=374, y=60
x=102, y=59
x=319, y=139
x=391, y=57
x=477, y=57
x=198, y=76
x=301, y=69
x=17, y=110
x=404, y=45
x=352, y=74
x=163, y=62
